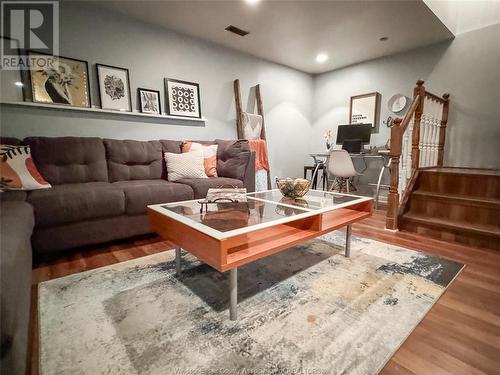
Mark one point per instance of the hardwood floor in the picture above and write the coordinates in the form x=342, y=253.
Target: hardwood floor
x=460, y=335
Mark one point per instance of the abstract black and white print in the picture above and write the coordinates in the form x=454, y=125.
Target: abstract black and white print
x=149, y=101
x=183, y=98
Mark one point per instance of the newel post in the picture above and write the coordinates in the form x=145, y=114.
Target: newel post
x=442, y=129
x=395, y=155
x=415, y=151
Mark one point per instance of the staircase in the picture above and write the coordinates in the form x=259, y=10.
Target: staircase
x=452, y=204
x=455, y=204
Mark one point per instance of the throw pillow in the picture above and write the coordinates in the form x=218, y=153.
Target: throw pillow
x=187, y=165
x=209, y=156
x=17, y=170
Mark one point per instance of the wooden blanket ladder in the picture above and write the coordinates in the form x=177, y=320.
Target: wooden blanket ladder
x=239, y=117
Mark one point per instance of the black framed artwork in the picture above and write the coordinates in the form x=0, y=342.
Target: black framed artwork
x=149, y=101
x=12, y=81
x=183, y=98
x=114, y=88
x=59, y=80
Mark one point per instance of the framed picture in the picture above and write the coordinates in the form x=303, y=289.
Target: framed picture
x=59, y=80
x=364, y=109
x=183, y=98
x=149, y=101
x=12, y=84
x=114, y=88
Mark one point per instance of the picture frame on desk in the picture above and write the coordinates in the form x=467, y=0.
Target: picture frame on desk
x=365, y=109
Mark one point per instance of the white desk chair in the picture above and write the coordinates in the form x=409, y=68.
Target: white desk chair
x=341, y=167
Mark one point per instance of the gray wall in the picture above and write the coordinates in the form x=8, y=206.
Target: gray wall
x=467, y=68
x=298, y=106
x=151, y=54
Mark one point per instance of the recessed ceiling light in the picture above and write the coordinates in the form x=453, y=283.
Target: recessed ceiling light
x=18, y=84
x=384, y=38
x=321, y=57
x=252, y=2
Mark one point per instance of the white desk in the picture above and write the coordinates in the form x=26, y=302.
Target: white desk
x=381, y=154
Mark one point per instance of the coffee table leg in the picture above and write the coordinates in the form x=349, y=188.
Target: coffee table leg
x=348, y=241
x=233, y=293
x=178, y=261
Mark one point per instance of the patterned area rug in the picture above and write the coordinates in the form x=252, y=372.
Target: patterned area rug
x=306, y=310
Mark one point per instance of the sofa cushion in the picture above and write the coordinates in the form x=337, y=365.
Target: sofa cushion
x=15, y=274
x=13, y=195
x=63, y=204
x=140, y=193
x=10, y=141
x=200, y=186
x=69, y=160
x=133, y=160
x=232, y=158
x=171, y=146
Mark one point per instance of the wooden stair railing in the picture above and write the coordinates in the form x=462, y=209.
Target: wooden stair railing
x=417, y=141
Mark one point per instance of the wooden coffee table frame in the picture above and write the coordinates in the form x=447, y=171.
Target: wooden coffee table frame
x=228, y=254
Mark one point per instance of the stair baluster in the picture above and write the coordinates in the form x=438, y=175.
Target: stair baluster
x=417, y=141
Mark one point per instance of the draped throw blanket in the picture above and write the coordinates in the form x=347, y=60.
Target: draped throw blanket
x=259, y=146
x=252, y=125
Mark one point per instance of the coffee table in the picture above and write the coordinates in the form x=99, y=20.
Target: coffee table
x=229, y=235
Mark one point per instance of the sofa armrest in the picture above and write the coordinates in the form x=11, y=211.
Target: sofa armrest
x=249, y=178
x=17, y=220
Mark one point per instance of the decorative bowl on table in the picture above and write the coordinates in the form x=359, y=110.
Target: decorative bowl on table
x=293, y=188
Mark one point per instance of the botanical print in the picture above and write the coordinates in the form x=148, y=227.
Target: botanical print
x=60, y=80
x=114, y=87
x=150, y=101
x=183, y=98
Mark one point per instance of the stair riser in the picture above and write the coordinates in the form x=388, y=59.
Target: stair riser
x=446, y=234
x=452, y=210
x=449, y=183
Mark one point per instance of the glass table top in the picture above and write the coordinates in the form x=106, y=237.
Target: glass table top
x=225, y=217
x=262, y=209
x=313, y=200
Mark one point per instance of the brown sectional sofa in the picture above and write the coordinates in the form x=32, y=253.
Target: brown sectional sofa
x=100, y=191
x=101, y=187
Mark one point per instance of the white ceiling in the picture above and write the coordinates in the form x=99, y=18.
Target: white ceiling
x=292, y=33
x=464, y=16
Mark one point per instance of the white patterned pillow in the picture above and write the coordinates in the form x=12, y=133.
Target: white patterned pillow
x=188, y=165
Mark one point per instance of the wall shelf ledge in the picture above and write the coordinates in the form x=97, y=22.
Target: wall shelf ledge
x=103, y=111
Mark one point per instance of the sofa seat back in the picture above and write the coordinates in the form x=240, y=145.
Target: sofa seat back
x=69, y=160
x=133, y=160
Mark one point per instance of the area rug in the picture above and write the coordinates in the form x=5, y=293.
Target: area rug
x=306, y=310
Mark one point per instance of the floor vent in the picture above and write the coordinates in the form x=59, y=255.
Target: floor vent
x=237, y=30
